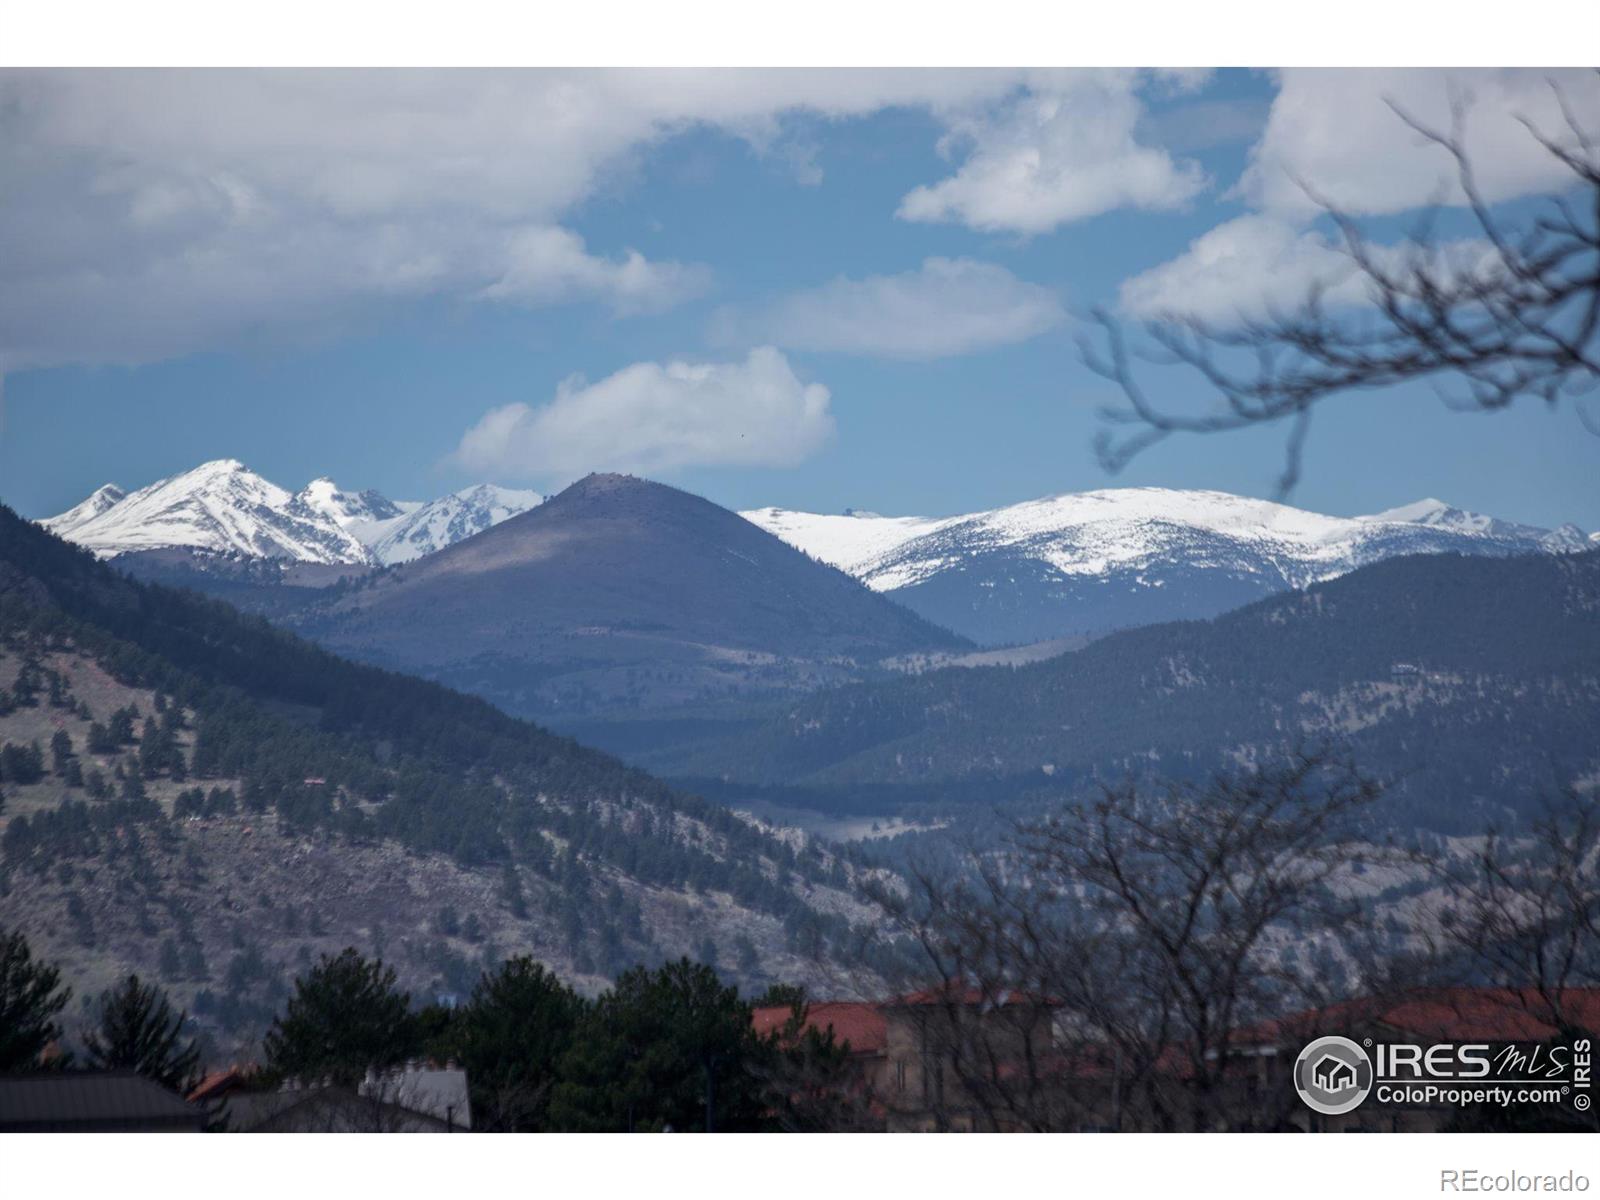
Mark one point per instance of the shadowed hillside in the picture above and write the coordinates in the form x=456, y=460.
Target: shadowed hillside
x=1472, y=684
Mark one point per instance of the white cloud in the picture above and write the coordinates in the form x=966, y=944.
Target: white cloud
x=657, y=417
x=1336, y=131
x=1259, y=265
x=547, y=265
x=1054, y=155
x=148, y=214
x=947, y=307
x=1243, y=268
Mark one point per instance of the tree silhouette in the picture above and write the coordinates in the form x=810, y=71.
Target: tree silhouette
x=138, y=1031
x=30, y=999
x=511, y=1038
x=345, y=1018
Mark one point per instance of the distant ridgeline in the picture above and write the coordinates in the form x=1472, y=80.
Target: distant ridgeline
x=336, y=748
x=1471, y=684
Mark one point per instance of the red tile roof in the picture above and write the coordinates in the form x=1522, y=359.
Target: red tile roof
x=1445, y=1014
x=862, y=1025
x=968, y=995
x=218, y=1083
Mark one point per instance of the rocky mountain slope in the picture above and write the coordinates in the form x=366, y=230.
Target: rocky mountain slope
x=213, y=801
x=1086, y=563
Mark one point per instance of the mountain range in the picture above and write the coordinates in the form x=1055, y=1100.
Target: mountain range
x=224, y=508
x=1090, y=562
x=1059, y=568
x=1470, y=685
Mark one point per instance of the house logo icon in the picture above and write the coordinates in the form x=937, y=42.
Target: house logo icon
x=1333, y=1075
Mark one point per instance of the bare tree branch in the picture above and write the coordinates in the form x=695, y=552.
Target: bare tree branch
x=1516, y=317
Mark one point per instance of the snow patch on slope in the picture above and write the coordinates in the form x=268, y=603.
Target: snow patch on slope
x=103, y=498
x=447, y=520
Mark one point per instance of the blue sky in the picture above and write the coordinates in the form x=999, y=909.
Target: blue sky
x=860, y=293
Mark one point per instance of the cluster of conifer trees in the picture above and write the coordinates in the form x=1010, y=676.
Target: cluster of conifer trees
x=668, y=1048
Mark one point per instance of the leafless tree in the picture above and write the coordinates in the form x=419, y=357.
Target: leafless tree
x=1514, y=319
x=1523, y=913
x=1098, y=971
x=809, y=1081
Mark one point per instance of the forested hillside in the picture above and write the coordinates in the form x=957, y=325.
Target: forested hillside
x=1471, y=684
x=173, y=772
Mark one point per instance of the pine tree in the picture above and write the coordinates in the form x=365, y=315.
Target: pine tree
x=345, y=1017
x=30, y=999
x=671, y=1046
x=61, y=751
x=511, y=1037
x=138, y=1031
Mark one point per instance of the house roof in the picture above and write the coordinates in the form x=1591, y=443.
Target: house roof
x=1444, y=1014
x=969, y=995
x=92, y=1100
x=219, y=1083
x=862, y=1025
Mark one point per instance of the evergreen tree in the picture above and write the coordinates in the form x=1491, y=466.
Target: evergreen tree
x=121, y=729
x=511, y=1037
x=669, y=1047
x=61, y=751
x=21, y=764
x=138, y=1031
x=345, y=1017
x=30, y=999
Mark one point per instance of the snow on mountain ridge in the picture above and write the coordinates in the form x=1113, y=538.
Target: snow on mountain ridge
x=1115, y=527
x=852, y=541
x=104, y=497
x=449, y=519
x=220, y=506
x=348, y=510
x=1085, y=562
x=224, y=507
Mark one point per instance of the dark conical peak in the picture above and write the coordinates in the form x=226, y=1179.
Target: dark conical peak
x=600, y=483
x=614, y=492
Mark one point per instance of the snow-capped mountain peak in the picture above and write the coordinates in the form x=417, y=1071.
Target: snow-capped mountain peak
x=439, y=523
x=222, y=507
x=348, y=510
x=1083, y=562
x=1439, y=515
x=219, y=507
x=104, y=497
